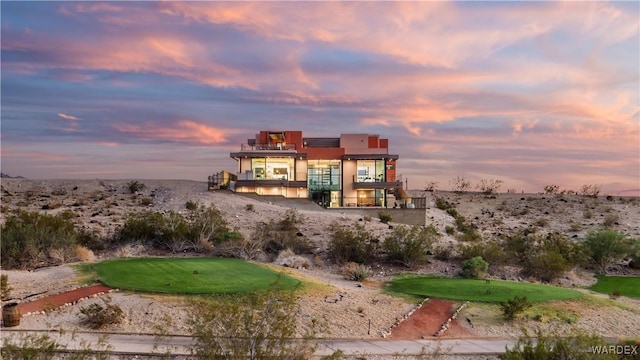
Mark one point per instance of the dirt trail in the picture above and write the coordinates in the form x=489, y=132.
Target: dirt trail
x=56, y=301
x=426, y=321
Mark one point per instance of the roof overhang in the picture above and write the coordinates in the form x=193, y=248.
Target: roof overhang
x=369, y=157
x=262, y=154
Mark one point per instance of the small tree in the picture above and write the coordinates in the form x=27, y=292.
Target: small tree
x=591, y=190
x=475, y=268
x=489, y=186
x=409, y=246
x=607, y=246
x=514, y=307
x=256, y=325
x=460, y=184
x=430, y=186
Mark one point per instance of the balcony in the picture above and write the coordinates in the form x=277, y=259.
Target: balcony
x=371, y=183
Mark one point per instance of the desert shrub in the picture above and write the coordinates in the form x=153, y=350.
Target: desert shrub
x=5, y=289
x=634, y=256
x=606, y=246
x=290, y=220
x=30, y=346
x=174, y=233
x=489, y=186
x=384, y=217
x=590, y=190
x=90, y=239
x=256, y=325
x=172, y=230
x=453, y=212
x=442, y=204
x=191, y=205
x=545, y=265
x=97, y=316
x=587, y=214
x=430, y=186
x=513, y=308
x=352, y=244
x=474, y=268
x=29, y=237
x=249, y=207
x=575, y=226
x=288, y=258
x=579, y=346
x=409, y=246
x=141, y=226
x=135, y=186
x=551, y=189
x=356, y=272
x=241, y=248
x=489, y=251
x=542, y=222
x=442, y=253
x=145, y=201
x=544, y=257
x=450, y=230
x=206, y=224
x=610, y=220
x=276, y=236
x=460, y=184
x=469, y=235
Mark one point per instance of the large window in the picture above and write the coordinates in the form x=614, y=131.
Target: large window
x=323, y=174
x=371, y=171
x=273, y=168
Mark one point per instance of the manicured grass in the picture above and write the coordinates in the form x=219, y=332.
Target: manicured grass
x=494, y=291
x=625, y=285
x=190, y=275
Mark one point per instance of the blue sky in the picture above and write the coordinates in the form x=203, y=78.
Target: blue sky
x=532, y=93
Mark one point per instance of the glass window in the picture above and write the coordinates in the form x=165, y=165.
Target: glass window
x=273, y=168
x=323, y=174
x=371, y=170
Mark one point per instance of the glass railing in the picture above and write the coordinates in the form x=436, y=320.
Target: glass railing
x=268, y=147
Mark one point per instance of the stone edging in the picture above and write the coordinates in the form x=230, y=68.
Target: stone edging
x=404, y=317
x=447, y=323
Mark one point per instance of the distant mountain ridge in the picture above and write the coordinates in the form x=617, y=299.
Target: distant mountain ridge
x=3, y=175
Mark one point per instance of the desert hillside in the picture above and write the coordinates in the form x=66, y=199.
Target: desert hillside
x=103, y=205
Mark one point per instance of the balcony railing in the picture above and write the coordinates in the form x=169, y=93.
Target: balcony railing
x=268, y=147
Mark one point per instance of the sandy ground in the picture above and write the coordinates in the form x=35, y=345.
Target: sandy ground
x=346, y=308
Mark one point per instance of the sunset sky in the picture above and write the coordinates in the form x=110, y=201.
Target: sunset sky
x=532, y=93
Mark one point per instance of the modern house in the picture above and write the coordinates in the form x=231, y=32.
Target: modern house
x=352, y=170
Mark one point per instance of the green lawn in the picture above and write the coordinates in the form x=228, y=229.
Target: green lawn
x=625, y=285
x=494, y=291
x=189, y=275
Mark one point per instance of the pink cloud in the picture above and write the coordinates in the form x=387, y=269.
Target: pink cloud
x=185, y=131
x=68, y=117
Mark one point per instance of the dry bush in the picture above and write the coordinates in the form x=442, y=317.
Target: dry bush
x=610, y=220
x=57, y=256
x=489, y=186
x=124, y=251
x=355, y=272
x=84, y=254
x=288, y=258
x=97, y=316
